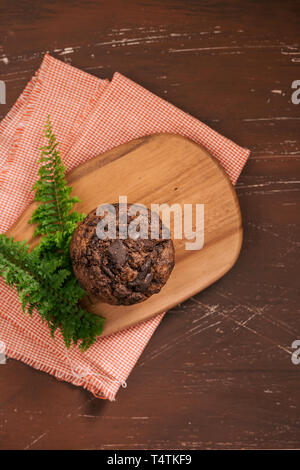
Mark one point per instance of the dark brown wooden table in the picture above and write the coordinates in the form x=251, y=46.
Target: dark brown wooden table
x=218, y=371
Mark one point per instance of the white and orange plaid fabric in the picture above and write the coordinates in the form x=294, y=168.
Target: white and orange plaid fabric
x=89, y=116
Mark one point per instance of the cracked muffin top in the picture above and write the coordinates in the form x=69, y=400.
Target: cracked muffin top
x=121, y=271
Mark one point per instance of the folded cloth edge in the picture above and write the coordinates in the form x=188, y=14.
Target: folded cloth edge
x=31, y=93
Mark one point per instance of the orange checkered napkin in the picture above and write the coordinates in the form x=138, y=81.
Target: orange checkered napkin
x=89, y=116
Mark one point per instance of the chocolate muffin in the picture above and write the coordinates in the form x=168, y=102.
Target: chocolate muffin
x=120, y=271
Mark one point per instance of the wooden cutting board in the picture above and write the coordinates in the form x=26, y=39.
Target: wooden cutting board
x=162, y=168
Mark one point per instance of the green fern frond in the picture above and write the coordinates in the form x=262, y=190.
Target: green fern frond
x=44, y=277
x=51, y=190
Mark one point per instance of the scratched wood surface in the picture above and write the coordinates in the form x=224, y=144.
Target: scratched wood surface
x=217, y=372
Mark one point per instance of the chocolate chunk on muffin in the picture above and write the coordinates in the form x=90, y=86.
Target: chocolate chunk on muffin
x=121, y=271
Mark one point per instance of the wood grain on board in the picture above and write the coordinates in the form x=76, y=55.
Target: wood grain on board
x=161, y=169
x=217, y=373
